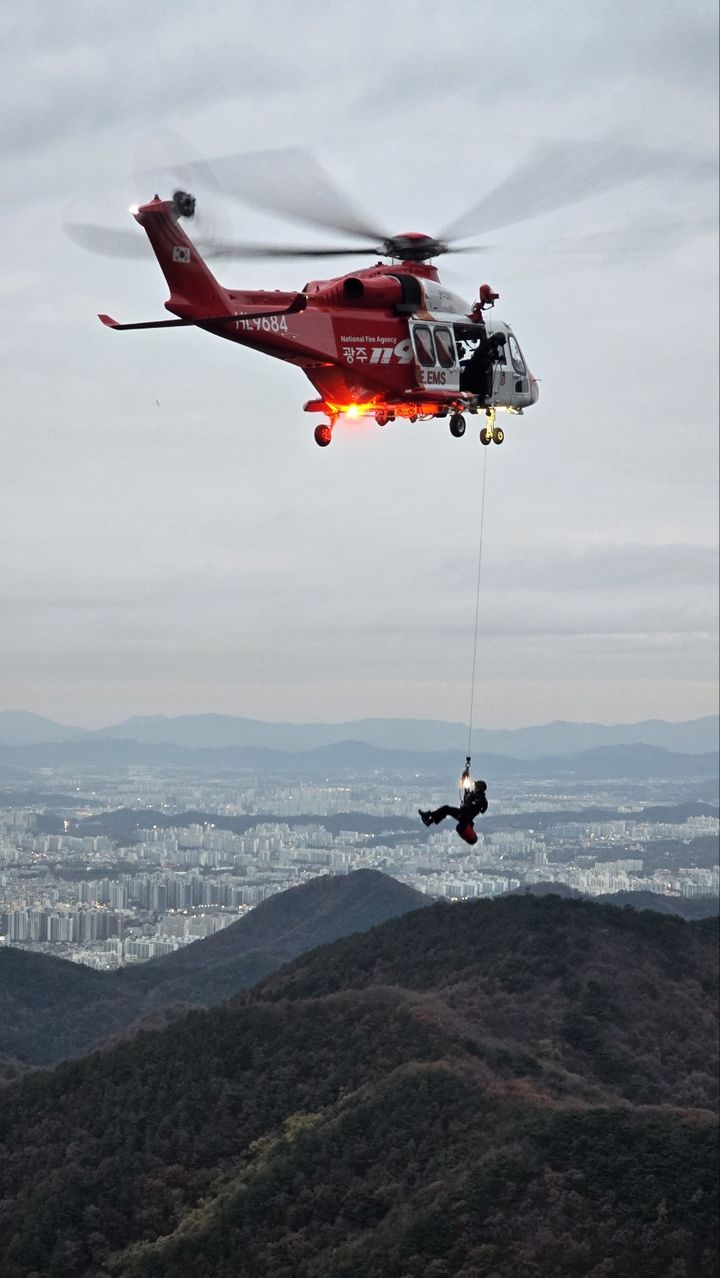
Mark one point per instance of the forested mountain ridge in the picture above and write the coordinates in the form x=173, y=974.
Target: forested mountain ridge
x=51, y=1009
x=316, y=912
x=434, y=1173
x=459, y=1093
x=602, y=990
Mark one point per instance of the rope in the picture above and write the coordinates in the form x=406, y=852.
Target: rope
x=477, y=603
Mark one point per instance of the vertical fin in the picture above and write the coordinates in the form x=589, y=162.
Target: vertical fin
x=193, y=287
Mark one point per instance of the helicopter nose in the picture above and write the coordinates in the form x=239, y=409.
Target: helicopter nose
x=534, y=390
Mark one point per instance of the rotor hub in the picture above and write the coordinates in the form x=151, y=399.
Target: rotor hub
x=413, y=246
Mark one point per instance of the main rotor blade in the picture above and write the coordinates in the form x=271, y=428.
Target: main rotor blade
x=248, y=251
x=110, y=242
x=636, y=238
x=470, y=248
x=106, y=240
x=553, y=176
x=633, y=240
x=292, y=184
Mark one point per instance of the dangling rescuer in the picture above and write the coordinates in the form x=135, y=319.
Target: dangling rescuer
x=473, y=802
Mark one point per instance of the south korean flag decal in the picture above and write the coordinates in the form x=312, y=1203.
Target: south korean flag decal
x=181, y=254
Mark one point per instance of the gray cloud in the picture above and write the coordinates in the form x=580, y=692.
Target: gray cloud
x=170, y=537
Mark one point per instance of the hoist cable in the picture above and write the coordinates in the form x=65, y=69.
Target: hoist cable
x=477, y=603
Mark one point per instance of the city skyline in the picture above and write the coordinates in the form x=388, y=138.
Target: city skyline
x=116, y=866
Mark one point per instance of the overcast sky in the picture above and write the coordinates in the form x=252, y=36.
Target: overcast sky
x=173, y=541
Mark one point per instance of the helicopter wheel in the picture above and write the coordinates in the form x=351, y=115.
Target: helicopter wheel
x=457, y=425
x=498, y=434
x=486, y=435
x=323, y=436
x=382, y=419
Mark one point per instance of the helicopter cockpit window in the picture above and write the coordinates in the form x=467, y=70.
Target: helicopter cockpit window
x=424, y=347
x=518, y=362
x=444, y=347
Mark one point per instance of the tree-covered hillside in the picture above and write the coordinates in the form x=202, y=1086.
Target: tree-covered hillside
x=436, y=1174
x=460, y=1093
x=591, y=990
x=51, y=1009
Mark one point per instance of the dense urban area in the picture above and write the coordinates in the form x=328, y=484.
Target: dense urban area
x=109, y=870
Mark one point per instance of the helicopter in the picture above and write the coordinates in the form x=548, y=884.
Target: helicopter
x=385, y=342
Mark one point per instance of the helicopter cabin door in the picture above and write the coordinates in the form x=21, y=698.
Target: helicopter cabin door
x=502, y=383
x=437, y=366
x=517, y=372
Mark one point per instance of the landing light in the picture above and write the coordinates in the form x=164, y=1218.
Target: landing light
x=353, y=411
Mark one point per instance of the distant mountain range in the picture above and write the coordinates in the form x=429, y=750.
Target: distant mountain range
x=217, y=732
x=356, y=758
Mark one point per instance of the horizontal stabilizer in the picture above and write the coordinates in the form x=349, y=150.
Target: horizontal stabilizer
x=298, y=304
x=109, y=322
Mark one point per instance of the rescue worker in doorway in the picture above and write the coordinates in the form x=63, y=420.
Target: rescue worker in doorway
x=476, y=371
x=473, y=804
x=480, y=348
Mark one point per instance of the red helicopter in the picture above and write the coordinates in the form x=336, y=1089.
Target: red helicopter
x=387, y=341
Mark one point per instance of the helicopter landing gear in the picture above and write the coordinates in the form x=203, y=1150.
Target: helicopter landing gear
x=382, y=418
x=490, y=433
x=457, y=425
x=323, y=435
